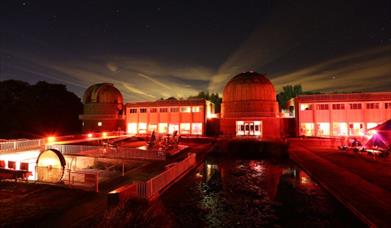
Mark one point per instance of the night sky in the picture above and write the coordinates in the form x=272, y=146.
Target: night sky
x=159, y=49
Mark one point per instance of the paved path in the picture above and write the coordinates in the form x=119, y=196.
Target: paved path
x=368, y=201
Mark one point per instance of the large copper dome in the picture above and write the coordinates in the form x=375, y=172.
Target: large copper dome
x=249, y=94
x=103, y=93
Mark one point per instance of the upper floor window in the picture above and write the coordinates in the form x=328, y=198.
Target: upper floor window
x=143, y=110
x=133, y=110
x=153, y=110
x=338, y=106
x=372, y=105
x=304, y=107
x=387, y=105
x=175, y=109
x=322, y=107
x=195, y=109
x=185, y=109
x=163, y=110
x=355, y=106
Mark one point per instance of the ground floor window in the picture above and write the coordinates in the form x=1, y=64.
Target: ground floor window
x=307, y=129
x=185, y=128
x=172, y=128
x=323, y=129
x=132, y=128
x=196, y=128
x=152, y=127
x=340, y=129
x=163, y=128
x=142, y=128
x=249, y=128
x=356, y=129
x=371, y=125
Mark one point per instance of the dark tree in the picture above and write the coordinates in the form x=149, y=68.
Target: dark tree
x=213, y=97
x=37, y=110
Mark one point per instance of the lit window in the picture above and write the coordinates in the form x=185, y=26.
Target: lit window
x=133, y=110
x=195, y=109
x=99, y=124
x=356, y=129
x=185, y=109
x=172, y=128
x=163, y=128
x=371, y=125
x=323, y=129
x=153, y=110
x=239, y=128
x=132, y=128
x=163, y=110
x=372, y=105
x=174, y=109
x=322, y=107
x=185, y=128
x=387, y=105
x=338, y=106
x=340, y=129
x=143, y=110
x=196, y=128
x=142, y=128
x=304, y=107
x=355, y=106
x=307, y=129
x=152, y=127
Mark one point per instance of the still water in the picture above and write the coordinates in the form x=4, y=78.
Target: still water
x=247, y=193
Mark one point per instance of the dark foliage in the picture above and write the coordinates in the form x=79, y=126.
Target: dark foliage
x=213, y=97
x=37, y=110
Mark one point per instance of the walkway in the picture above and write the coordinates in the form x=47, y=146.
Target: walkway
x=367, y=200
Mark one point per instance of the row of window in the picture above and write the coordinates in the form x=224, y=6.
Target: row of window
x=164, y=128
x=337, y=129
x=353, y=106
x=172, y=109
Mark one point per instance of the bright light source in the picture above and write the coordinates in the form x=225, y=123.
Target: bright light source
x=89, y=135
x=104, y=134
x=51, y=139
x=99, y=124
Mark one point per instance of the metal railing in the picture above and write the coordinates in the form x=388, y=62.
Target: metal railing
x=109, y=152
x=154, y=185
x=21, y=145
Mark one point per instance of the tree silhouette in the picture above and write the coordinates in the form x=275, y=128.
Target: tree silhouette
x=37, y=110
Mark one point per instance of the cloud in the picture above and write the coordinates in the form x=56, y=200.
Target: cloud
x=368, y=70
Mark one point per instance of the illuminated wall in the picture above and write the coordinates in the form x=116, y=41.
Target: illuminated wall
x=187, y=117
x=341, y=114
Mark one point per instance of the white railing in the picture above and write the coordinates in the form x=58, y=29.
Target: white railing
x=20, y=145
x=109, y=152
x=154, y=185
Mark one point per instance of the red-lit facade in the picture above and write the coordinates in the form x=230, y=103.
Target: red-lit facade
x=336, y=115
x=249, y=107
x=102, y=109
x=187, y=117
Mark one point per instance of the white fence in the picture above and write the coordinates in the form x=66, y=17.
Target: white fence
x=153, y=186
x=21, y=145
x=109, y=152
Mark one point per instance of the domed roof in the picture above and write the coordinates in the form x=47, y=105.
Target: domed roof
x=103, y=93
x=249, y=86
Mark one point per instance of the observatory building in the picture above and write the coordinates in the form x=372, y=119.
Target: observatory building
x=103, y=108
x=249, y=107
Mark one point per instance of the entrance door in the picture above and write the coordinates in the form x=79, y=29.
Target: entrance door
x=248, y=128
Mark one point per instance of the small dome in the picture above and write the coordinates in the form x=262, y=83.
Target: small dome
x=103, y=93
x=249, y=86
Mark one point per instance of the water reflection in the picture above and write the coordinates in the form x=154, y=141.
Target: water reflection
x=228, y=192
